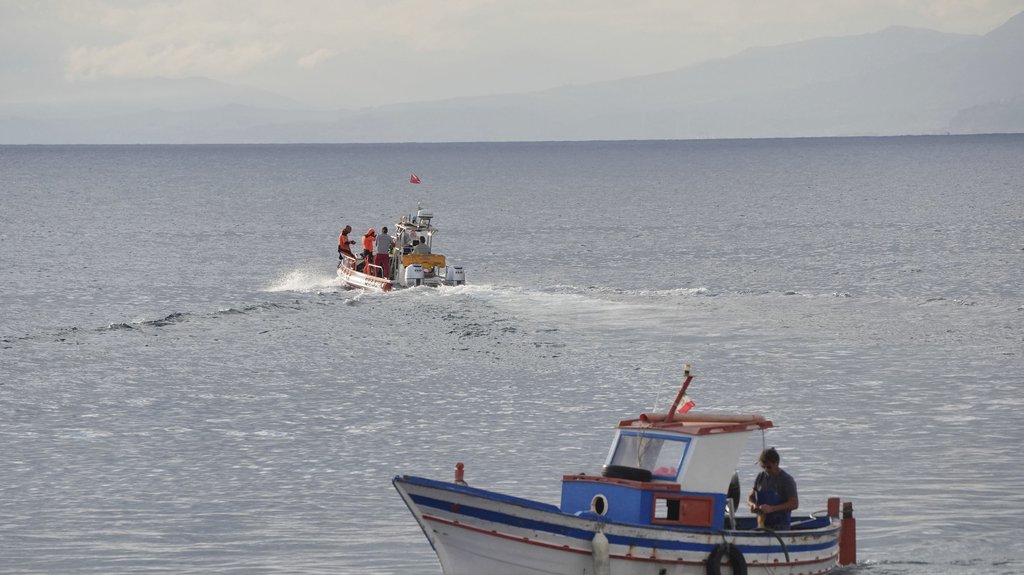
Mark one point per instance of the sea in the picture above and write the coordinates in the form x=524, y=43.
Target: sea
x=186, y=388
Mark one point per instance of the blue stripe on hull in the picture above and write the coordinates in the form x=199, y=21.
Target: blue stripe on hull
x=474, y=491
x=504, y=518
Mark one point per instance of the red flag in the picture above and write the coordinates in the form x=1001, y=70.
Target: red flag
x=685, y=405
x=414, y=179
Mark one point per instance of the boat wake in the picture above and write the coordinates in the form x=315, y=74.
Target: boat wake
x=570, y=304
x=74, y=334
x=308, y=279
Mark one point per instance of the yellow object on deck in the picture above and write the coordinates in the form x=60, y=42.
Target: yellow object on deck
x=426, y=260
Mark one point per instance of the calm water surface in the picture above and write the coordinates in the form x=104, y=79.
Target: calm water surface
x=186, y=389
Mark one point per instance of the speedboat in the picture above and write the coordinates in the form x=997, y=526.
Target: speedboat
x=412, y=261
x=665, y=503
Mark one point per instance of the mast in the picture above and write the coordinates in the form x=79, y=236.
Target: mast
x=682, y=391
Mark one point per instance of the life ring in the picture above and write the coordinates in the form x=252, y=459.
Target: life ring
x=625, y=472
x=736, y=559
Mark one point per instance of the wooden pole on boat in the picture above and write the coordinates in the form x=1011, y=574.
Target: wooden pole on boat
x=679, y=397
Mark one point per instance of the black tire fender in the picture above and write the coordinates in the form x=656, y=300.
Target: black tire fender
x=736, y=559
x=624, y=472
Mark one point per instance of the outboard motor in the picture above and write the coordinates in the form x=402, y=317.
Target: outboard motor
x=456, y=276
x=414, y=275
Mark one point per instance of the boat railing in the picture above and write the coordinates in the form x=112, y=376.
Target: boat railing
x=373, y=270
x=369, y=269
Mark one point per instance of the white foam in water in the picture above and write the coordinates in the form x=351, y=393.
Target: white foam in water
x=308, y=279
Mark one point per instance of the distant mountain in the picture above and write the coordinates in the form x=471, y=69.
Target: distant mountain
x=897, y=81
x=143, y=110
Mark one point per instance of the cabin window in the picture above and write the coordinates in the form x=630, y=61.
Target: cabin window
x=660, y=454
x=691, y=510
x=666, y=509
x=666, y=465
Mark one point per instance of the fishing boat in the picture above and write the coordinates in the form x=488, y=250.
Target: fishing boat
x=666, y=503
x=412, y=261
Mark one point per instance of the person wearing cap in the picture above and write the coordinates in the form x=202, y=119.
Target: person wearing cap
x=382, y=251
x=368, y=238
x=343, y=244
x=366, y=257
x=774, y=495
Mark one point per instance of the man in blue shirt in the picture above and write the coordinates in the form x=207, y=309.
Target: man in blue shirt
x=774, y=495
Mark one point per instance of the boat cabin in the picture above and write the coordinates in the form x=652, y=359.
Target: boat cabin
x=412, y=228
x=666, y=470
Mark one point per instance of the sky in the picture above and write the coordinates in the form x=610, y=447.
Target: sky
x=340, y=54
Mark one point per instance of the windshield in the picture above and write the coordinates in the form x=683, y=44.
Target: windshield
x=660, y=454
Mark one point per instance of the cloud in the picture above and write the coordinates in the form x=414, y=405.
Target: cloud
x=145, y=59
x=313, y=59
x=228, y=37
x=183, y=38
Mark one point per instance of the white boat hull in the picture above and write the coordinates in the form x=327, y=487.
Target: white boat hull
x=475, y=531
x=360, y=280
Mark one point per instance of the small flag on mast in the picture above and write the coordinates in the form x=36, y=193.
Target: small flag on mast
x=685, y=405
x=414, y=179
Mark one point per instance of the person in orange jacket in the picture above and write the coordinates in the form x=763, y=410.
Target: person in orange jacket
x=368, y=239
x=343, y=244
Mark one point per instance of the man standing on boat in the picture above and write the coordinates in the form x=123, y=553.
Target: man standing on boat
x=343, y=244
x=382, y=251
x=774, y=494
x=368, y=238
